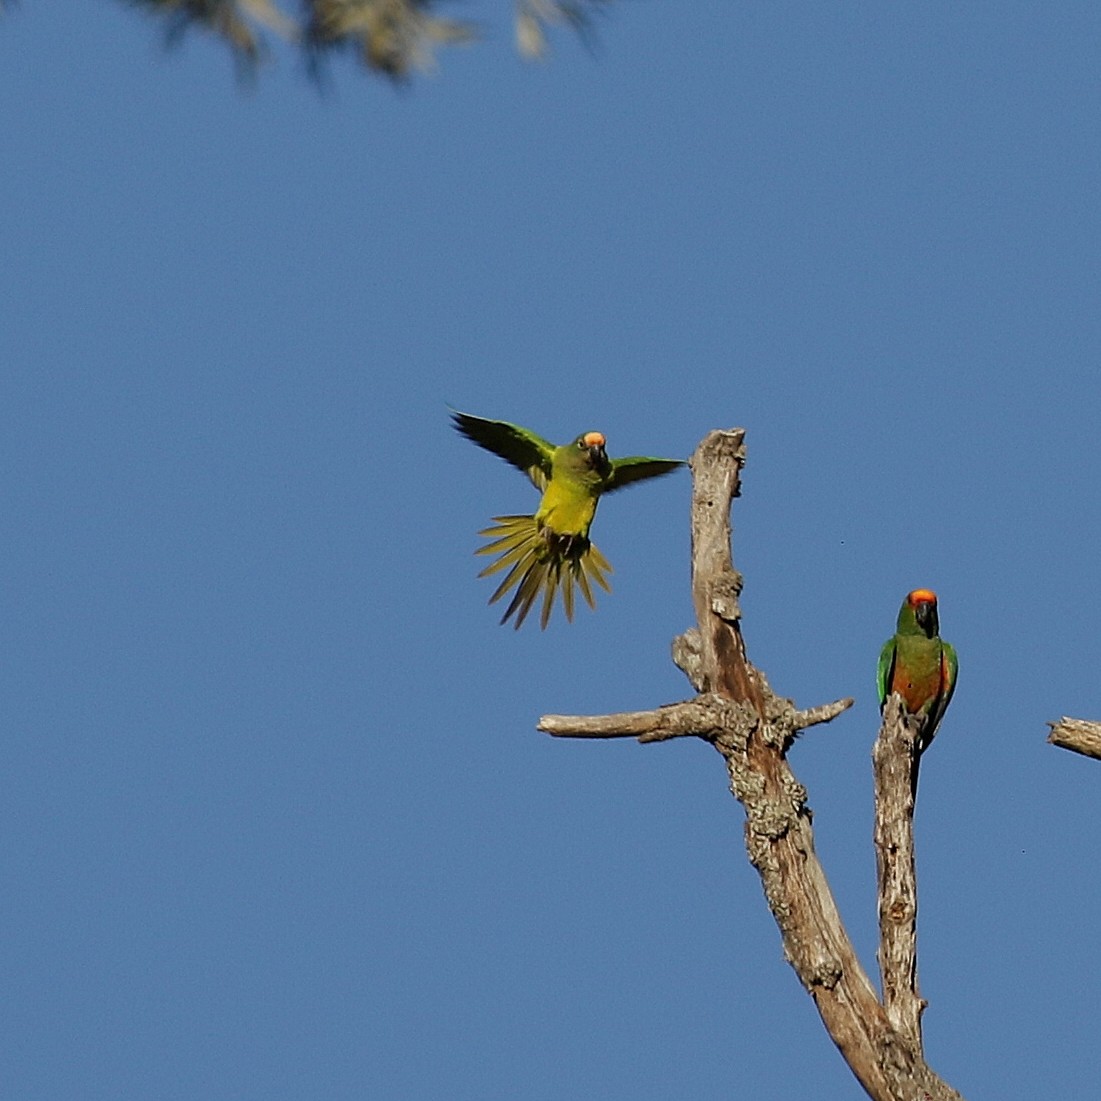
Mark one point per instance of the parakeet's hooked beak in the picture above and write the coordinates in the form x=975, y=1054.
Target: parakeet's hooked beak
x=595, y=442
x=924, y=603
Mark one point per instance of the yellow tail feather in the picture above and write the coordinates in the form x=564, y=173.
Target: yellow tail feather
x=539, y=560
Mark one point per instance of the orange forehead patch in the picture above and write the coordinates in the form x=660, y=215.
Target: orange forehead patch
x=593, y=439
x=921, y=596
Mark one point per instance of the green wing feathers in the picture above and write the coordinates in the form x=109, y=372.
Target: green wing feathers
x=539, y=562
x=637, y=468
x=523, y=449
x=950, y=666
x=886, y=668
x=548, y=555
x=953, y=664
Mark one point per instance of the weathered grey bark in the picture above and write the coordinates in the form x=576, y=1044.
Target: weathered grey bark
x=1079, y=735
x=895, y=767
x=737, y=712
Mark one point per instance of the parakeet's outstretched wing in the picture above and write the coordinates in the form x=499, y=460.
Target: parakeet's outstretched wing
x=950, y=668
x=884, y=673
x=636, y=468
x=523, y=449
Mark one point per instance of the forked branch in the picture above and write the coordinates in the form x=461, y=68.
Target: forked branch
x=738, y=713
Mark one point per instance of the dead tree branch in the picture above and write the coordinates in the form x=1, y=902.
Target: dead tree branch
x=1078, y=735
x=738, y=713
x=895, y=765
x=704, y=717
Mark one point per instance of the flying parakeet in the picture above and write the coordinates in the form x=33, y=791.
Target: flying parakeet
x=919, y=665
x=551, y=550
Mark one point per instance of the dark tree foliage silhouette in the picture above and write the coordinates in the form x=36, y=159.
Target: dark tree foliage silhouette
x=392, y=38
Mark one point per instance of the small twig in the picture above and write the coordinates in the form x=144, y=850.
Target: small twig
x=1079, y=735
x=895, y=764
x=823, y=713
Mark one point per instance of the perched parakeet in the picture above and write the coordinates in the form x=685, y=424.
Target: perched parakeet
x=918, y=664
x=551, y=550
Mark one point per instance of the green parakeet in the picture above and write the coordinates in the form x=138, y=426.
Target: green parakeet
x=918, y=664
x=550, y=551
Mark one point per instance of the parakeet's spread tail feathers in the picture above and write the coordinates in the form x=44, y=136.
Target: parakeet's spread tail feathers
x=539, y=560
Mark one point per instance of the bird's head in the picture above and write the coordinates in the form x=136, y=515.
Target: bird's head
x=919, y=614
x=593, y=443
x=589, y=451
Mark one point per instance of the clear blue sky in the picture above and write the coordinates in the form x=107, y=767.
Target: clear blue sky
x=275, y=822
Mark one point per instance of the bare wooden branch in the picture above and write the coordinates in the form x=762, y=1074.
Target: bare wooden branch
x=895, y=765
x=753, y=729
x=1078, y=735
x=779, y=838
x=823, y=713
x=716, y=479
x=704, y=717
